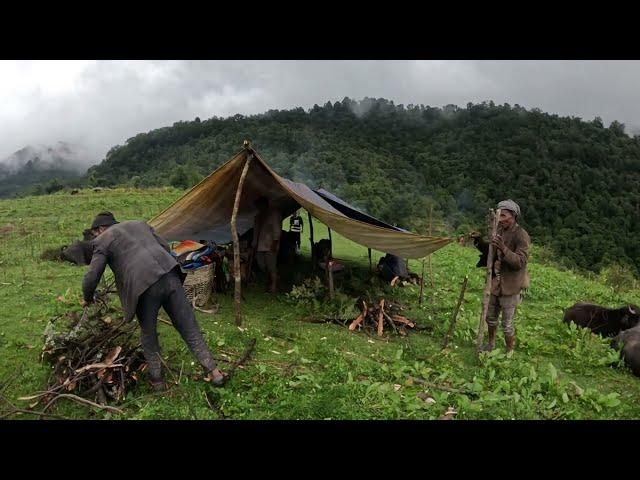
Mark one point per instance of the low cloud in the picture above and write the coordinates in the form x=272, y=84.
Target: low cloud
x=99, y=104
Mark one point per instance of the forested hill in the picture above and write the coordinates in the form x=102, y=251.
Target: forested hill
x=577, y=182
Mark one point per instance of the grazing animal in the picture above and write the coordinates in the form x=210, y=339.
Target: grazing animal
x=629, y=341
x=79, y=252
x=604, y=321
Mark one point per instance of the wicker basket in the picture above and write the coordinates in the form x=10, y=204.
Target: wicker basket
x=199, y=284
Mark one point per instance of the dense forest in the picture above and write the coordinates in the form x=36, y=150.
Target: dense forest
x=577, y=182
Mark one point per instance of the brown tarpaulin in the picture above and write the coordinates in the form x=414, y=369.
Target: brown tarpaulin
x=204, y=212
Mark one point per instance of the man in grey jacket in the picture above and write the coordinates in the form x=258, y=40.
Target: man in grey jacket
x=509, y=272
x=146, y=278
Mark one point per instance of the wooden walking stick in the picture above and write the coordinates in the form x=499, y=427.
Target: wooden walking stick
x=455, y=313
x=236, y=244
x=494, y=218
x=430, y=234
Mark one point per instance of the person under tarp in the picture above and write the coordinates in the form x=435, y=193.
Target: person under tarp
x=267, y=229
x=392, y=268
x=296, y=227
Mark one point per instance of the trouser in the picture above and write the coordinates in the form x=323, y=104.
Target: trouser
x=267, y=262
x=296, y=238
x=169, y=294
x=506, y=304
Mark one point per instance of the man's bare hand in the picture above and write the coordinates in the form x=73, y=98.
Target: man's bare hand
x=498, y=243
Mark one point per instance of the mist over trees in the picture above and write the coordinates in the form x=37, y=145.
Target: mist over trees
x=577, y=182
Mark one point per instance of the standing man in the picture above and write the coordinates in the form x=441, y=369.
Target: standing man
x=509, y=272
x=267, y=229
x=296, y=225
x=147, y=278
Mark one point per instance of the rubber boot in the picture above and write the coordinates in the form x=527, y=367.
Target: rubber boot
x=491, y=344
x=158, y=385
x=509, y=341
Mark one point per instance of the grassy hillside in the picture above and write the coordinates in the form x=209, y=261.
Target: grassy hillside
x=304, y=370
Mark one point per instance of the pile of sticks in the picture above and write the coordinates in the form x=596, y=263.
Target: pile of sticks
x=95, y=359
x=375, y=316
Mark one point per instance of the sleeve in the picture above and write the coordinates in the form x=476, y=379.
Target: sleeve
x=163, y=243
x=518, y=259
x=91, y=279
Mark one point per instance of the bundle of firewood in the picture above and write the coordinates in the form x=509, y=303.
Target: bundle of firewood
x=95, y=359
x=375, y=316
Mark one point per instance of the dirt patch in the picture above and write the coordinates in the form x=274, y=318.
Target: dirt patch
x=52, y=254
x=7, y=229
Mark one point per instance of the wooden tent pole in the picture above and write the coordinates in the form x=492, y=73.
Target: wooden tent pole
x=236, y=243
x=370, y=264
x=494, y=217
x=310, y=231
x=330, y=243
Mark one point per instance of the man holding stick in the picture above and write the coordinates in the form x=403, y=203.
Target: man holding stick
x=509, y=272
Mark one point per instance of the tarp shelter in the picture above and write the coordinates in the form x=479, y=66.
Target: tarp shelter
x=353, y=212
x=204, y=212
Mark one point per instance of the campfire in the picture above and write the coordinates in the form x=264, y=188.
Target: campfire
x=375, y=316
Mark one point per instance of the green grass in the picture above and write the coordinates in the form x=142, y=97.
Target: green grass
x=303, y=370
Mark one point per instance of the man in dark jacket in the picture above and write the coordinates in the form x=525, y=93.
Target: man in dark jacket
x=509, y=272
x=147, y=278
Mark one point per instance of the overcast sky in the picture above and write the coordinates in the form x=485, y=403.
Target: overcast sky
x=99, y=104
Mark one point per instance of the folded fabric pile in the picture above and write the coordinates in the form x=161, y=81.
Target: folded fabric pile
x=186, y=246
x=192, y=255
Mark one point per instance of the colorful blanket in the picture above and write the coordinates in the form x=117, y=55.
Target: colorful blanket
x=186, y=246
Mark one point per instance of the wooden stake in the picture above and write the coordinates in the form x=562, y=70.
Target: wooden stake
x=455, y=313
x=236, y=244
x=329, y=267
x=381, y=318
x=494, y=217
x=422, y=284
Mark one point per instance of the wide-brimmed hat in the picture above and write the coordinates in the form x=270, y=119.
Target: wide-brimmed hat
x=103, y=219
